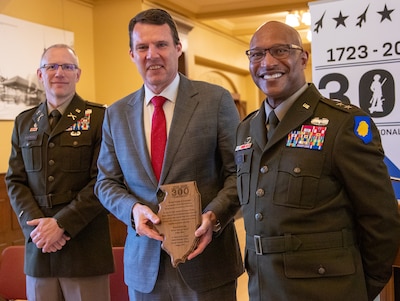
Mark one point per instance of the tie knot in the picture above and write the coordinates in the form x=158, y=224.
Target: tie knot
x=158, y=101
x=55, y=116
x=272, y=119
x=55, y=113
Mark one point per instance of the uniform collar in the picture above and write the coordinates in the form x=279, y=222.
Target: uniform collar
x=61, y=108
x=281, y=110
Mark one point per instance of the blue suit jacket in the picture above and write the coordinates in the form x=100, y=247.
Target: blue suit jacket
x=199, y=148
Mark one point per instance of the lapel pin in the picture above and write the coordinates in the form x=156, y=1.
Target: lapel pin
x=72, y=116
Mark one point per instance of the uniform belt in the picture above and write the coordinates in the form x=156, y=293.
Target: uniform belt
x=50, y=200
x=299, y=242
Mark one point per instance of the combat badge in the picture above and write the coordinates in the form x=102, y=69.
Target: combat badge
x=320, y=121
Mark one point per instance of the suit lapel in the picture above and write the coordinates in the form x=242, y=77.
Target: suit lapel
x=134, y=120
x=185, y=107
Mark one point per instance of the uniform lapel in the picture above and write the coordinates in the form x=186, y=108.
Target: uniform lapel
x=302, y=109
x=258, y=128
x=40, y=119
x=72, y=115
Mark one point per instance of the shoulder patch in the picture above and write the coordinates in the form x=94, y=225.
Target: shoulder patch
x=362, y=128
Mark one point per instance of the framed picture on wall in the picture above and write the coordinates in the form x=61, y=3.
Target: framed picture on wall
x=22, y=44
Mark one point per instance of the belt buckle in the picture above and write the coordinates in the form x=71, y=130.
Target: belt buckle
x=258, y=245
x=49, y=200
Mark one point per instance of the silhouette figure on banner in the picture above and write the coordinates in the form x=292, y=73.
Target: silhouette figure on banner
x=377, y=96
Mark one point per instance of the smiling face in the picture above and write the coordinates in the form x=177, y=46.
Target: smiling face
x=155, y=55
x=59, y=85
x=278, y=78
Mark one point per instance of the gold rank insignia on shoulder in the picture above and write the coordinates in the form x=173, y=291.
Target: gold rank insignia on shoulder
x=343, y=105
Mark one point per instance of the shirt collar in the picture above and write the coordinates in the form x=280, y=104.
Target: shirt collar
x=170, y=92
x=61, y=108
x=281, y=110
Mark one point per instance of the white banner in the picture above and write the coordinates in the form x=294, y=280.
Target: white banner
x=356, y=59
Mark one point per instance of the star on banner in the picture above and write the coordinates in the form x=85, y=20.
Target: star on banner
x=340, y=20
x=385, y=13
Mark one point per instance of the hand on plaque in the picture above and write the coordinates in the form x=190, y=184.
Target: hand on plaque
x=144, y=219
x=204, y=233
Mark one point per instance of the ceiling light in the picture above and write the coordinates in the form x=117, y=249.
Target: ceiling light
x=309, y=35
x=292, y=19
x=306, y=18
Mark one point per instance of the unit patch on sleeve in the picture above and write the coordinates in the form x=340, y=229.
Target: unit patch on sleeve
x=362, y=128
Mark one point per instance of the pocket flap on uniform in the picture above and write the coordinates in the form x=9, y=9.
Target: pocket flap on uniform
x=315, y=264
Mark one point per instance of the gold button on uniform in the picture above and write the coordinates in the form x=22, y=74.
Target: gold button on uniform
x=260, y=192
x=321, y=270
x=259, y=217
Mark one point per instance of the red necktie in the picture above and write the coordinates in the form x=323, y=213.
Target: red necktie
x=158, y=135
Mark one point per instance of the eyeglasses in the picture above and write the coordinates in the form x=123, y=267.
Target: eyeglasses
x=279, y=52
x=64, y=67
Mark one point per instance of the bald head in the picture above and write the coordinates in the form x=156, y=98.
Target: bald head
x=278, y=61
x=277, y=31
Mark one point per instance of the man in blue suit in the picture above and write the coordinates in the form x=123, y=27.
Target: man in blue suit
x=201, y=121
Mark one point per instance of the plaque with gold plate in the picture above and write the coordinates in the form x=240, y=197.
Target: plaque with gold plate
x=180, y=215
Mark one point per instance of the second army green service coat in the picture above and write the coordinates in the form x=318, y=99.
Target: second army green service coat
x=52, y=174
x=323, y=218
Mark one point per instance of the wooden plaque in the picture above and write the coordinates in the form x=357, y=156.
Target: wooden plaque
x=180, y=215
